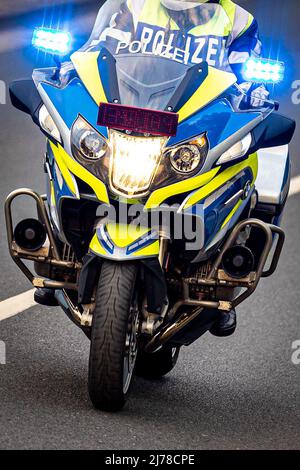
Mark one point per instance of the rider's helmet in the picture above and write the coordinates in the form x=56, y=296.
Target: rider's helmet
x=181, y=5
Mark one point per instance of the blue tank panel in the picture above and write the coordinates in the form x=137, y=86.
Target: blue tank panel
x=221, y=120
x=215, y=213
x=72, y=100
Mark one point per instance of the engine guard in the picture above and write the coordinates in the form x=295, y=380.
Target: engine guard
x=48, y=255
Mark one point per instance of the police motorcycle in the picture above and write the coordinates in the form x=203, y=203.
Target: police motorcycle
x=164, y=194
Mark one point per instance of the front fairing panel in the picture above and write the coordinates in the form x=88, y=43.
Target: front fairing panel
x=122, y=242
x=206, y=110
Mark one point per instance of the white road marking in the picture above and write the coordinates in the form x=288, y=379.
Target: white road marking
x=15, y=305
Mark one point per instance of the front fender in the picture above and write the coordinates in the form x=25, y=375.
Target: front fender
x=121, y=242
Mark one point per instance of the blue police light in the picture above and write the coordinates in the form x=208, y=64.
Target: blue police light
x=264, y=70
x=52, y=41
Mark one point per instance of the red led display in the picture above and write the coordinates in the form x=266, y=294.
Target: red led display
x=146, y=121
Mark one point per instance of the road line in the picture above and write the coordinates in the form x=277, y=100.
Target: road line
x=15, y=305
x=295, y=186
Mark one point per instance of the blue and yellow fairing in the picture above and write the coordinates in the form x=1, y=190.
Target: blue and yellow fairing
x=208, y=195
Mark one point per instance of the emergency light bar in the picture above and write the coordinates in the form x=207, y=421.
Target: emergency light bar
x=264, y=70
x=145, y=121
x=52, y=41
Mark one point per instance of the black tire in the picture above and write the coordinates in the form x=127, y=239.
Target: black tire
x=155, y=366
x=111, y=321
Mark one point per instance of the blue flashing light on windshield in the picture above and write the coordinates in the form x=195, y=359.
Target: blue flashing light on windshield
x=52, y=41
x=264, y=70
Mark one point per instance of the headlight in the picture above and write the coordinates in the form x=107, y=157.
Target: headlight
x=87, y=143
x=238, y=150
x=134, y=162
x=48, y=125
x=188, y=157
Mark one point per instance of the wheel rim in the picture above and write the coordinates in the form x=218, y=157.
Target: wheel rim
x=131, y=348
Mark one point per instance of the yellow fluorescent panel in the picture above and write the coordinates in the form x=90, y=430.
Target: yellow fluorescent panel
x=70, y=165
x=160, y=195
x=234, y=210
x=221, y=179
x=86, y=64
x=151, y=250
x=58, y=155
x=96, y=246
x=123, y=235
x=214, y=85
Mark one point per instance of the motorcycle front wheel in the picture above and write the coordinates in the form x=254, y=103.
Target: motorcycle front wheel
x=114, y=345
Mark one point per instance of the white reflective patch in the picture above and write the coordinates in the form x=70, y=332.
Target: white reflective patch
x=258, y=49
x=115, y=34
x=136, y=7
x=241, y=19
x=59, y=177
x=15, y=305
x=238, y=57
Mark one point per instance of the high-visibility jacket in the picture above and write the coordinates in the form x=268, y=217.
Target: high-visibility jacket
x=226, y=39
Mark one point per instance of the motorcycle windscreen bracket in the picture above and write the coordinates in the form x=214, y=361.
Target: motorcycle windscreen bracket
x=140, y=120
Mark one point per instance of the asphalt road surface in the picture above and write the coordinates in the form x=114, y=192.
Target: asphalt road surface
x=235, y=393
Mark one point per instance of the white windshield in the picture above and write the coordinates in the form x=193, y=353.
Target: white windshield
x=155, y=46
x=190, y=36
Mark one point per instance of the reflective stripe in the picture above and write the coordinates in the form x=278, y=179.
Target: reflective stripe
x=238, y=57
x=149, y=251
x=116, y=34
x=113, y=31
x=249, y=23
x=68, y=178
x=96, y=247
x=234, y=210
x=135, y=7
x=221, y=179
x=242, y=21
x=230, y=8
x=239, y=18
x=123, y=235
x=69, y=165
x=257, y=51
x=161, y=194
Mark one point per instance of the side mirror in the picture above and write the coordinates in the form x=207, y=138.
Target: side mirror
x=25, y=97
x=274, y=131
